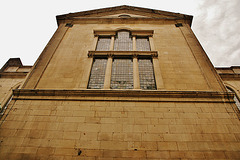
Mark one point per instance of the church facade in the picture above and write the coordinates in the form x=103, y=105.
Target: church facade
x=120, y=83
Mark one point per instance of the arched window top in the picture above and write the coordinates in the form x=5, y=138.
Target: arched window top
x=123, y=41
x=123, y=33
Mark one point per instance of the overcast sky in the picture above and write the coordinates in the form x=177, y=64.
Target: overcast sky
x=27, y=25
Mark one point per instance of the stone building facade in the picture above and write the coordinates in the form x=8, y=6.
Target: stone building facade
x=120, y=83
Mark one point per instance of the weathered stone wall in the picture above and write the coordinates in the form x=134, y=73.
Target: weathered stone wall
x=182, y=62
x=6, y=86
x=42, y=129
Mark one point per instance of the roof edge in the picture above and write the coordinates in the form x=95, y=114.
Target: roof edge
x=122, y=7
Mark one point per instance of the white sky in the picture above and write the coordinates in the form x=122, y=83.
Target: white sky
x=27, y=25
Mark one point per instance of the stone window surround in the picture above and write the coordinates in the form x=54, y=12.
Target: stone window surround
x=235, y=98
x=134, y=54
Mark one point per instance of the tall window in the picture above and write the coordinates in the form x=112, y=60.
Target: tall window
x=97, y=76
x=123, y=41
x=142, y=44
x=122, y=74
x=103, y=44
x=122, y=71
x=146, y=74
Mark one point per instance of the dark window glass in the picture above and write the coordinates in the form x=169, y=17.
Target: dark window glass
x=103, y=44
x=146, y=74
x=142, y=44
x=123, y=41
x=97, y=74
x=124, y=16
x=235, y=98
x=122, y=74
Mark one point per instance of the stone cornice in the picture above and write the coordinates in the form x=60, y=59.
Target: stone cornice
x=122, y=20
x=126, y=95
x=229, y=76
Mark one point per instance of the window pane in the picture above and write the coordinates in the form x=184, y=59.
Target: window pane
x=103, y=44
x=123, y=41
x=146, y=74
x=97, y=74
x=142, y=44
x=122, y=74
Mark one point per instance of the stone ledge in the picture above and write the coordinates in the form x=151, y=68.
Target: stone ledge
x=124, y=95
x=13, y=74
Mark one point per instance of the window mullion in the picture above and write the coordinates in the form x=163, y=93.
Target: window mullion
x=107, y=81
x=136, y=82
x=112, y=43
x=134, y=43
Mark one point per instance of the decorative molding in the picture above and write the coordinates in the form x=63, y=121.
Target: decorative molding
x=114, y=32
x=123, y=53
x=104, y=33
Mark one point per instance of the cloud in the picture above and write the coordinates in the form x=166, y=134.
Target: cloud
x=217, y=26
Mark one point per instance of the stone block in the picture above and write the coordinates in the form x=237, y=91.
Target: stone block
x=111, y=128
x=158, y=128
x=108, y=120
x=135, y=114
x=88, y=144
x=89, y=127
x=158, y=154
x=152, y=137
x=177, y=155
x=198, y=146
x=89, y=136
x=177, y=137
x=45, y=151
x=105, y=136
x=214, y=155
x=62, y=143
x=74, y=119
x=127, y=136
x=142, y=146
x=166, y=146
x=194, y=155
x=66, y=151
x=73, y=126
x=113, y=145
x=71, y=135
x=134, y=154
